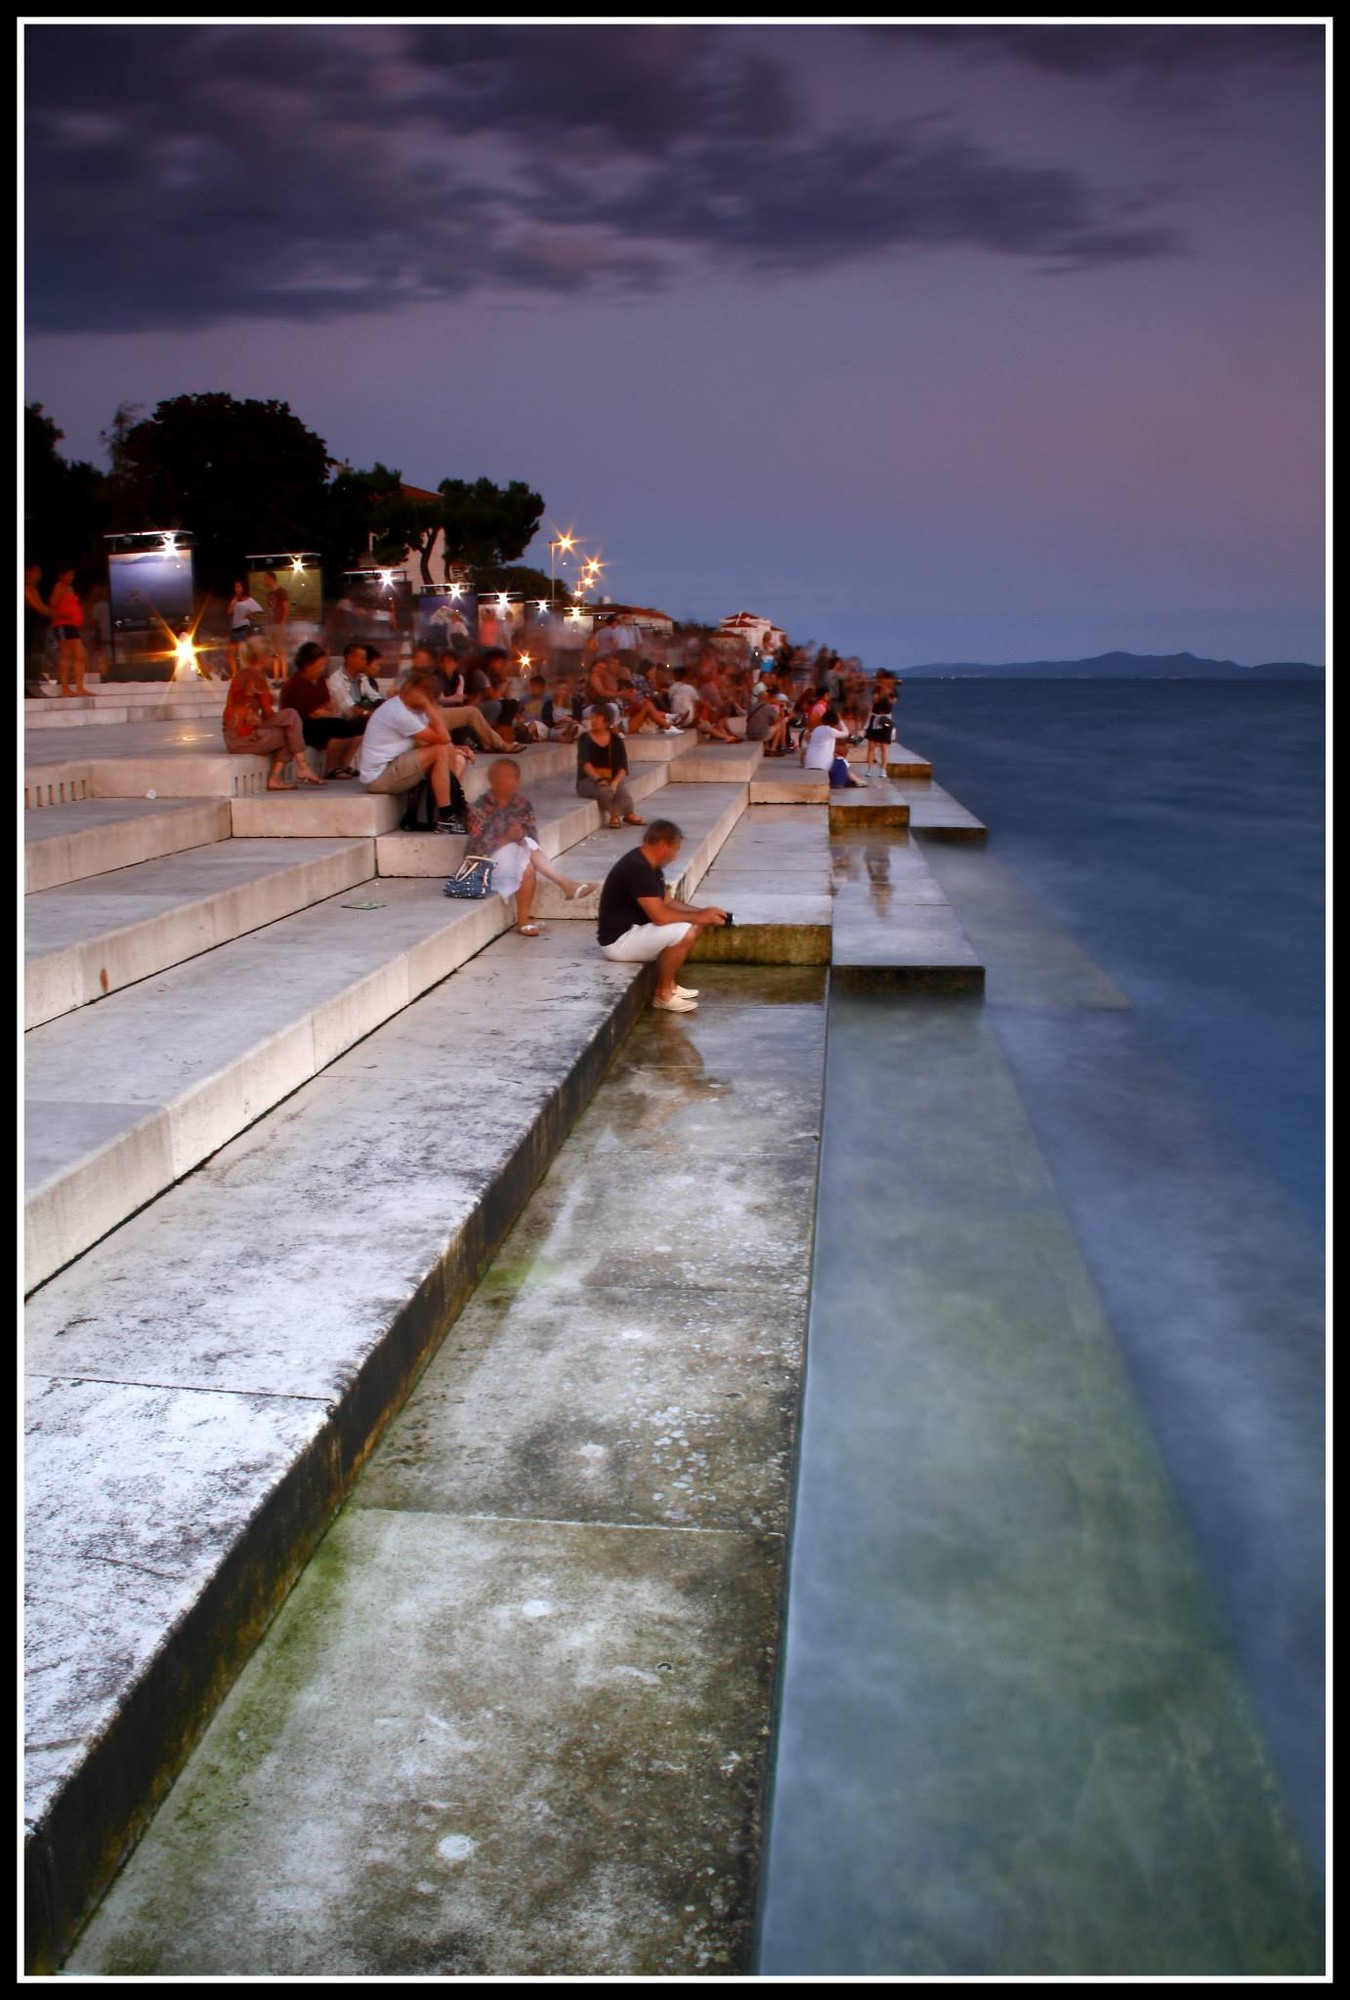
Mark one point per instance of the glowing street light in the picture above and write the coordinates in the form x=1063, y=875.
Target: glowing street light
x=387, y=579
x=562, y=544
x=297, y=565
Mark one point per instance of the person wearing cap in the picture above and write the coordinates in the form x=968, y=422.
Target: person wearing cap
x=639, y=924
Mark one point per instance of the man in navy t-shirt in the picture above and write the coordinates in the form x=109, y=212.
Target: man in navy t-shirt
x=638, y=922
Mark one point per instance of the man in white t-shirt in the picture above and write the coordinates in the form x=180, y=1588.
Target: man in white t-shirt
x=405, y=741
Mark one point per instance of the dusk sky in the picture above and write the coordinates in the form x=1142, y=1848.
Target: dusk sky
x=930, y=343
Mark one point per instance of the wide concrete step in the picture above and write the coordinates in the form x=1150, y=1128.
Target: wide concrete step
x=782, y=781
x=204, y=1384
x=125, y=1098
x=88, y=939
x=872, y=802
x=893, y=925
x=773, y=877
x=178, y=759
x=932, y=810
x=71, y=842
x=717, y=764
x=74, y=713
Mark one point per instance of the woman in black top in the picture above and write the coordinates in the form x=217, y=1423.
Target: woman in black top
x=602, y=766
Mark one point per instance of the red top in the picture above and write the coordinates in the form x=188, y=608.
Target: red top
x=304, y=695
x=66, y=606
x=246, y=710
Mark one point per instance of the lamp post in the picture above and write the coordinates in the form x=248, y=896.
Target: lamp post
x=566, y=543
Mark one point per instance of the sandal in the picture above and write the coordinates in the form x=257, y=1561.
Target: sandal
x=580, y=889
x=529, y=930
x=632, y=819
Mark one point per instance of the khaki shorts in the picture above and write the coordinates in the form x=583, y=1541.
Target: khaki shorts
x=644, y=942
x=400, y=775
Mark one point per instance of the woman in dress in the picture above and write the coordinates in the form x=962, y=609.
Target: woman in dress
x=254, y=726
x=502, y=825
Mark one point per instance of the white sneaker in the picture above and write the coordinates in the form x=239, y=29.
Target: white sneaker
x=687, y=992
x=677, y=1004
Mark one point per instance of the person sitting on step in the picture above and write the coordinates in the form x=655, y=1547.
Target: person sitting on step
x=337, y=735
x=638, y=922
x=602, y=766
x=502, y=824
x=253, y=726
x=407, y=740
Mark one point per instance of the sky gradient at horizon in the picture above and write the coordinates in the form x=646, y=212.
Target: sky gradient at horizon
x=971, y=343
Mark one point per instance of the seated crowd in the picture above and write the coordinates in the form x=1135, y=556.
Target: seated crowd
x=446, y=708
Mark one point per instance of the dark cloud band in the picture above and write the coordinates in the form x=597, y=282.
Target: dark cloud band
x=182, y=177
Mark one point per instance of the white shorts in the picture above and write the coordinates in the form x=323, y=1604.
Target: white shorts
x=509, y=864
x=644, y=942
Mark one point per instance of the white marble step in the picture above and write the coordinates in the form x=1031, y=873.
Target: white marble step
x=125, y=1098
x=71, y=842
x=87, y=939
x=204, y=1382
x=893, y=924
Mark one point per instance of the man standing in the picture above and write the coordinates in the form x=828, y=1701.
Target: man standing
x=639, y=923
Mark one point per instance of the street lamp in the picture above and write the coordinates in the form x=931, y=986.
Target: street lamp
x=564, y=543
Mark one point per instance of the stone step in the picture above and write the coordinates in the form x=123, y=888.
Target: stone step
x=125, y=1098
x=718, y=763
x=903, y=763
x=893, y=926
x=546, y=1616
x=75, y=713
x=782, y=781
x=70, y=843
x=88, y=939
x=875, y=802
x=651, y=746
x=204, y=1384
x=178, y=759
x=773, y=876
x=934, y=811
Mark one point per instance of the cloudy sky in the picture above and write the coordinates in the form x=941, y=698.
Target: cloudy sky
x=932, y=343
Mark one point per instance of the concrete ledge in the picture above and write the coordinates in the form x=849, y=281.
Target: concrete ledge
x=770, y=929
x=54, y=784
x=650, y=746
x=345, y=810
x=96, y=837
x=717, y=764
x=783, y=783
x=953, y=979
x=84, y=943
x=113, y=1757
x=903, y=763
x=847, y=809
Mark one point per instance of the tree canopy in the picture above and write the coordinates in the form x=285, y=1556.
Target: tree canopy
x=244, y=476
x=65, y=502
x=486, y=525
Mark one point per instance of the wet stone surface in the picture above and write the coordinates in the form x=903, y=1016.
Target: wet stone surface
x=515, y=1716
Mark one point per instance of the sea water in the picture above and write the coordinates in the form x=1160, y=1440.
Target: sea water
x=1177, y=831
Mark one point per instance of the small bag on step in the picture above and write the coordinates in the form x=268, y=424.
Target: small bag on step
x=472, y=878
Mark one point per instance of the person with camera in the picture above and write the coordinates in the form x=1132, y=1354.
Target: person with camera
x=638, y=922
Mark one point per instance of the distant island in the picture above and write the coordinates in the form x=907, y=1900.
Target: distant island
x=1120, y=667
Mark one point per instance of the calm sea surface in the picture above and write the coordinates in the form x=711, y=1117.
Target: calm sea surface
x=1176, y=829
